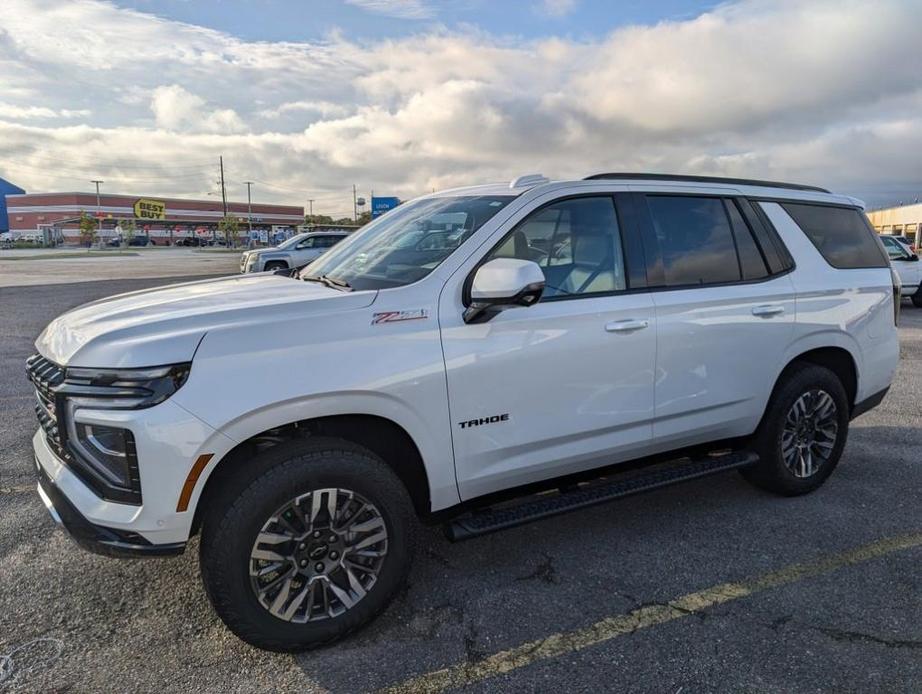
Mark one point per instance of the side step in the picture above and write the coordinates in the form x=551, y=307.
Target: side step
x=489, y=520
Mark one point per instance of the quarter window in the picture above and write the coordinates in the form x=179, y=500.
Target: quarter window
x=842, y=235
x=695, y=240
x=575, y=242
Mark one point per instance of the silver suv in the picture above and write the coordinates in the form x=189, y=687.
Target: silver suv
x=295, y=252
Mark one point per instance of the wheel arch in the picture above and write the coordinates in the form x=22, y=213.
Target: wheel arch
x=837, y=358
x=382, y=436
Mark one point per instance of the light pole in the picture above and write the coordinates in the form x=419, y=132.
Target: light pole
x=98, y=212
x=249, y=213
x=310, y=216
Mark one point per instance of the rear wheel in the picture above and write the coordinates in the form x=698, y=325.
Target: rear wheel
x=917, y=298
x=803, y=432
x=313, y=548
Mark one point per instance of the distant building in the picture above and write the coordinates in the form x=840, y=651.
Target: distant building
x=904, y=220
x=53, y=217
x=6, y=188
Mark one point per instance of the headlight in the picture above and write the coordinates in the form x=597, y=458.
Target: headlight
x=108, y=454
x=105, y=456
x=121, y=389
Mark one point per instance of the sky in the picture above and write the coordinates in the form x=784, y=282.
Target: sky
x=307, y=98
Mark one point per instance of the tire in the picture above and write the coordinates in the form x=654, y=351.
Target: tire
x=802, y=384
x=917, y=298
x=285, y=473
x=273, y=265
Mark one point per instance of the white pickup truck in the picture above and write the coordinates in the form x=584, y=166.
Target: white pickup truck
x=907, y=266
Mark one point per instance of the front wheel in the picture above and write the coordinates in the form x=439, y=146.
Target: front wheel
x=803, y=432
x=917, y=298
x=273, y=265
x=313, y=548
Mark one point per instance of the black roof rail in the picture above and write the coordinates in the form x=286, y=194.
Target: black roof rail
x=702, y=179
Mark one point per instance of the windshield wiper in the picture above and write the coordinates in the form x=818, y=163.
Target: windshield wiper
x=330, y=282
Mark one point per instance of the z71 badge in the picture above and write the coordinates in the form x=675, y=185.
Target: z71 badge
x=397, y=316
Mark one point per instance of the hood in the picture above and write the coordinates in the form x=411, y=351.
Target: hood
x=165, y=325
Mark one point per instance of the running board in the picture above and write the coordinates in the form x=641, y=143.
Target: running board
x=489, y=520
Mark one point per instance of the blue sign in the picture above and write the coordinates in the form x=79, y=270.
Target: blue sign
x=381, y=205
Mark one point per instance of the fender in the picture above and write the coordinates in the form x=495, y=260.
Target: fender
x=818, y=340
x=443, y=486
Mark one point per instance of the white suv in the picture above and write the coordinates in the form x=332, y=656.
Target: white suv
x=455, y=357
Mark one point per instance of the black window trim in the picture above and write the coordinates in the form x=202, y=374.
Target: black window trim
x=761, y=225
x=654, y=253
x=744, y=230
x=625, y=238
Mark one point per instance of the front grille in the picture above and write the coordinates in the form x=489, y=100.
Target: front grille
x=46, y=376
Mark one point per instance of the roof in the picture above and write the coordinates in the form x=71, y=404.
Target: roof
x=665, y=182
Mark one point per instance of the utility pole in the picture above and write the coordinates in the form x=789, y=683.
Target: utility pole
x=98, y=211
x=355, y=207
x=214, y=233
x=310, y=216
x=249, y=213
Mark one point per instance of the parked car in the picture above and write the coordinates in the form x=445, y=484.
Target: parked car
x=193, y=241
x=140, y=240
x=296, y=252
x=905, y=240
x=907, y=265
x=561, y=329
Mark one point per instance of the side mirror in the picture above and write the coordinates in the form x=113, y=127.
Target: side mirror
x=503, y=283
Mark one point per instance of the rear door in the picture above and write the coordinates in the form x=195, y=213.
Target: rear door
x=724, y=316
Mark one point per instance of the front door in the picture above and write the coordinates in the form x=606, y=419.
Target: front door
x=561, y=386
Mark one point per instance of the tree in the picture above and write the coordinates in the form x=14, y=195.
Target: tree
x=87, y=226
x=129, y=228
x=229, y=226
x=318, y=219
x=364, y=218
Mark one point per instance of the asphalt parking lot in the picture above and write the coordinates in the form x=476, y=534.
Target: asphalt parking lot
x=710, y=586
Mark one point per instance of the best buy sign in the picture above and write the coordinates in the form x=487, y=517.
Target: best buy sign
x=150, y=209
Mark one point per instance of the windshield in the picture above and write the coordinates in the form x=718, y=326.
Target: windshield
x=407, y=243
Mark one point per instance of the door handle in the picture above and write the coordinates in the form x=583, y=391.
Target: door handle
x=768, y=310
x=626, y=326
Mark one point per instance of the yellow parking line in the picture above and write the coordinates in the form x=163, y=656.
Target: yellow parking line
x=643, y=618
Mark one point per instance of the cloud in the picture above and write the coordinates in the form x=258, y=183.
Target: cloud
x=402, y=9
x=175, y=108
x=557, y=8
x=824, y=93
x=39, y=112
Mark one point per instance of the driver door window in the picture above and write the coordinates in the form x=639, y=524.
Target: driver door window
x=894, y=250
x=306, y=243
x=575, y=242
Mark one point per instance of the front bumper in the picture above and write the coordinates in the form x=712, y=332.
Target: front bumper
x=92, y=537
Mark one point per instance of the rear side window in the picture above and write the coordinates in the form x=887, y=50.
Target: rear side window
x=841, y=235
x=695, y=239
